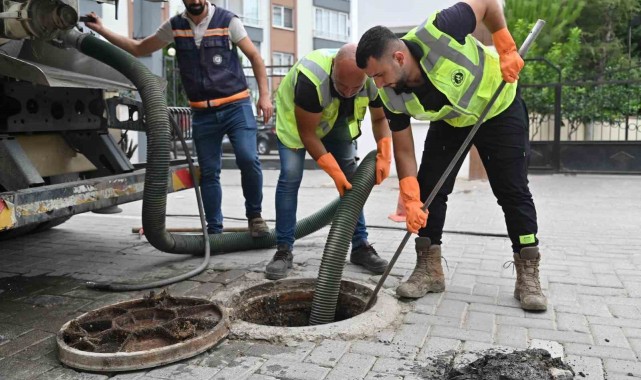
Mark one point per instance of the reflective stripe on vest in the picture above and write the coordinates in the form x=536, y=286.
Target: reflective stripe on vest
x=323, y=76
x=440, y=48
x=316, y=66
x=467, y=74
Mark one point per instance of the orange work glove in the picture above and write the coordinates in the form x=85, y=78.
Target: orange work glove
x=383, y=159
x=511, y=61
x=411, y=196
x=328, y=163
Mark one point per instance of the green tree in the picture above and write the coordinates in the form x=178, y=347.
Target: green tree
x=560, y=16
x=605, y=25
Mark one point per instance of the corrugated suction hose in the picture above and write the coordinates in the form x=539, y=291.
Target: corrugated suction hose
x=330, y=273
x=158, y=154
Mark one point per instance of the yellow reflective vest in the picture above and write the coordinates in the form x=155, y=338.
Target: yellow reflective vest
x=317, y=66
x=467, y=74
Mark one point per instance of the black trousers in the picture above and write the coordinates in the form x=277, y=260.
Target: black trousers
x=504, y=147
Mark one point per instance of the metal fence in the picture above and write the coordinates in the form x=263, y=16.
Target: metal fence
x=588, y=126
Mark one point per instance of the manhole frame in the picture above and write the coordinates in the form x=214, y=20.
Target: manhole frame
x=381, y=315
x=129, y=361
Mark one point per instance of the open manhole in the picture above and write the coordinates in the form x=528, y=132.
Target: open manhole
x=141, y=333
x=280, y=310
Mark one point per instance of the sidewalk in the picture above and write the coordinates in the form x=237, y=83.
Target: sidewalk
x=590, y=232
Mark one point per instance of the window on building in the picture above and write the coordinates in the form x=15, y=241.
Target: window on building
x=251, y=13
x=282, y=59
x=331, y=25
x=282, y=17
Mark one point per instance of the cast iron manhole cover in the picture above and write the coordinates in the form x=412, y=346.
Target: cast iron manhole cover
x=141, y=333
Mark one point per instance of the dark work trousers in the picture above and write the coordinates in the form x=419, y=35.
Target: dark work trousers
x=504, y=146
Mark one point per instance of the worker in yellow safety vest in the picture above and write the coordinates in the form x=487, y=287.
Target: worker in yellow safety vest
x=320, y=106
x=439, y=73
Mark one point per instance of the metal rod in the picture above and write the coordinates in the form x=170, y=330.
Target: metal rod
x=534, y=33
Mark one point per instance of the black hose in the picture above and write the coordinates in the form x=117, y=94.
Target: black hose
x=330, y=273
x=203, y=225
x=158, y=141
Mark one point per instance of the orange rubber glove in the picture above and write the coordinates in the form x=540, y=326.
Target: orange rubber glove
x=328, y=163
x=411, y=196
x=383, y=159
x=511, y=61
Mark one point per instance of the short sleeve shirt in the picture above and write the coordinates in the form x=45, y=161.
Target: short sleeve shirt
x=456, y=21
x=236, y=28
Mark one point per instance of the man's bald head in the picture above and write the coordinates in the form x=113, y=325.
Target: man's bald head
x=347, y=77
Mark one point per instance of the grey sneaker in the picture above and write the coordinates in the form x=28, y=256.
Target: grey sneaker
x=367, y=257
x=281, y=263
x=258, y=227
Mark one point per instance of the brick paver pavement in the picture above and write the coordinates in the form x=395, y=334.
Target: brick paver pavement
x=590, y=231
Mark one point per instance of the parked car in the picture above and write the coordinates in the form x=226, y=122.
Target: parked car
x=266, y=140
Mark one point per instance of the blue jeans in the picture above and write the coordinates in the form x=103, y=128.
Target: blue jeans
x=291, y=174
x=237, y=121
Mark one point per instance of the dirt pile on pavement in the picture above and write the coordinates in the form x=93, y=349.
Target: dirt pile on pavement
x=534, y=364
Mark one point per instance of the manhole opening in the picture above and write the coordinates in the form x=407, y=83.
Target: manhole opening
x=152, y=322
x=288, y=303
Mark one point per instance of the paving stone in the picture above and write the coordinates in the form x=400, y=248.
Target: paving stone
x=382, y=376
x=499, y=310
x=327, y=353
x=572, y=322
x=187, y=372
x=70, y=374
x=524, y=322
x=228, y=277
x=393, y=366
x=383, y=350
x=295, y=352
x=620, y=322
x=204, y=290
x=240, y=368
x=221, y=355
x=352, y=366
x=455, y=333
x=632, y=367
x=599, y=351
x=20, y=369
x=22, y=342
x=451, y=309
x=609, y=336
x=554, y=348
x=512, y=336
x=284, y=369
x=436, y=346
x=586, y=367
x=261, y=377
x=411, y=335
x=10, y=331
x=480, y=321
x=561, y=336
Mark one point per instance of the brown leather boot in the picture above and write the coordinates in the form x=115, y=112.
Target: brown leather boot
x=428, y=273
x=528, y=287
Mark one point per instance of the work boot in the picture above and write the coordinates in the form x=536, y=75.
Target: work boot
x=281, y=263
x=258, y=227
x=428, y=273
x=528, y=287
x=367, y=257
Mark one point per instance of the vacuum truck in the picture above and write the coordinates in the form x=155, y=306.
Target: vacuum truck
x=66, y=122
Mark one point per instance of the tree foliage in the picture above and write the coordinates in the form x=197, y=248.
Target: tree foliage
x=559, y=15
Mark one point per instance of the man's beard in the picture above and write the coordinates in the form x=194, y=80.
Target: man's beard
x=401, y=84
x=195, y=9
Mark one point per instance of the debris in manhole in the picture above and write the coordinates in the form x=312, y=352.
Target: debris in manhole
x=157, y=329
x=533, y=364
x=289, y=304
